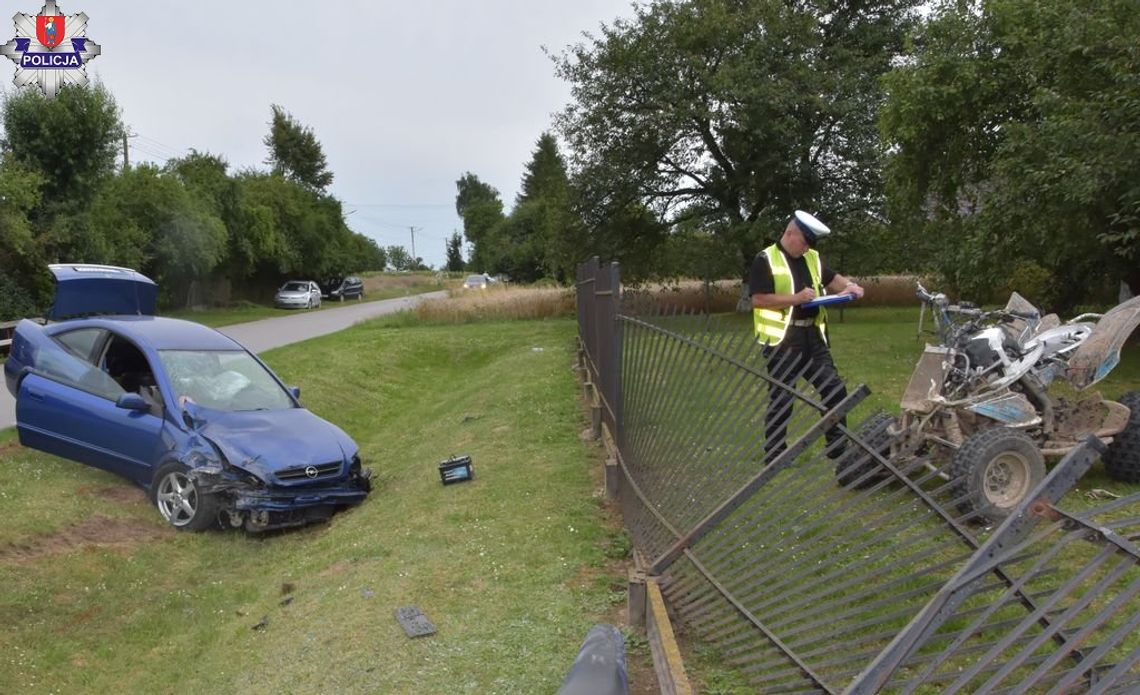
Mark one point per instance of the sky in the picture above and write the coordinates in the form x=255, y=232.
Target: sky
x=404, y=97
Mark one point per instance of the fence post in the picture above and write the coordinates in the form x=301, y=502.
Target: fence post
x=614, y=379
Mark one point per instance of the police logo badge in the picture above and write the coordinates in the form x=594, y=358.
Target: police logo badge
x=62, y=52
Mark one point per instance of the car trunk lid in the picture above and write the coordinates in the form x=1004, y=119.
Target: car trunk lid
x=84, y=290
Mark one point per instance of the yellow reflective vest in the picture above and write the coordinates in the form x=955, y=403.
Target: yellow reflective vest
x=772, y=324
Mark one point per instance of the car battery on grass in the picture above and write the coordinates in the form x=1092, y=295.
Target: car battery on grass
x=456, y=469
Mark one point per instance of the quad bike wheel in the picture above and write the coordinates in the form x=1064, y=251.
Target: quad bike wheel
x=994, y=470
x=1122, y=460
x=856, y=467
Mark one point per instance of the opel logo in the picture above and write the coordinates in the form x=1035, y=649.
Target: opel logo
x=311, y=471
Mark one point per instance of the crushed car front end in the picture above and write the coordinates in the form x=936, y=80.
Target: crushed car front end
x=255, y=494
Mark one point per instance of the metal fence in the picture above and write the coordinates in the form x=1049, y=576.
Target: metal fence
x=813, y=563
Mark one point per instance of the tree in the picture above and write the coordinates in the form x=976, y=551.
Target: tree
x=481, y=209
x=546, y=188
x=399, y=258
x=455, y=253
x=147, y=220
x=71, y=140
x=23, y=285
x=1016, y=140
x=734, y=112
x=295, y=153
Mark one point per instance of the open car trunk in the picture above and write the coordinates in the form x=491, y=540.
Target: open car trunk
x=86, y=290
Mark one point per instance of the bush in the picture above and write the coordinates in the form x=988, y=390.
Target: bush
x=1033, y=282
x=15, y=301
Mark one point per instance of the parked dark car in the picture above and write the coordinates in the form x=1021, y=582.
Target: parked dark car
x=343, y=288
x=178, y=408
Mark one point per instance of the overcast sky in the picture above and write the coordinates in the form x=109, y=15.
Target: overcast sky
x=404, y=96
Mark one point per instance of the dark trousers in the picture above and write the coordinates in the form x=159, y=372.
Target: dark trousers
x=802, y=349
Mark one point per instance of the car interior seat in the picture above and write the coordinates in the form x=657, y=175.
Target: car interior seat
x=127, y=366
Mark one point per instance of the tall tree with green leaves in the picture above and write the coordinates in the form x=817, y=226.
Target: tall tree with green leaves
x=1015, y=132
x=734, y=112
x=149, y=221
x=23, y=285
x=559, y=233
x=295, y=153
x=455, y=253
x=72, y=140
x=479, y=206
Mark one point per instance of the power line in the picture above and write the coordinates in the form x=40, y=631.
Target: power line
x=401, y=205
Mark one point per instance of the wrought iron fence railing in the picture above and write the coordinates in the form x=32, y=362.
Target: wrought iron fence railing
x=785, y=537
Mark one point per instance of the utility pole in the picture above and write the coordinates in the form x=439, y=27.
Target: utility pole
x=126, y=150
x=414, y=230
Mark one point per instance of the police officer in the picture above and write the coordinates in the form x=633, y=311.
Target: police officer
x=786, y=276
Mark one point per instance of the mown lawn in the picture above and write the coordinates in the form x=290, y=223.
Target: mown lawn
x=377, y=286
x=99, y=596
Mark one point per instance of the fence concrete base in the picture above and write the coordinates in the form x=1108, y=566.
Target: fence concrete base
x=667, y=661
x=613, y=479
x=635, y=605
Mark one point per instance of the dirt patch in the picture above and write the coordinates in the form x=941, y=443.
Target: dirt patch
x=122, y=494
x=98, y=531
x=9, y=447
x=337, y=568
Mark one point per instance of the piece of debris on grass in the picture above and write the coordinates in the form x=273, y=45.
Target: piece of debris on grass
x=470, y=418
x=264, y=623
x=414, y=622
x=286, y=601
x=1101, y=494
x=287, y=588
x=367, y=593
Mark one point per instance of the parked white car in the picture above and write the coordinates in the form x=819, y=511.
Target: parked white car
x=298, y=294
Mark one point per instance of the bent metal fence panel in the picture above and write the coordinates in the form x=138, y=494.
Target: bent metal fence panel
x=815, y=564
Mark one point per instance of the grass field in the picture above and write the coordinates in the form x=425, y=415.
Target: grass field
x=377, y=286
x=99, y=595
x=513, y=568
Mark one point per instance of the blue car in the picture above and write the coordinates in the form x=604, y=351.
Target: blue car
x=176, y=407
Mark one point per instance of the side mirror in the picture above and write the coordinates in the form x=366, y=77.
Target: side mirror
x=296, y=391
x=132, y=401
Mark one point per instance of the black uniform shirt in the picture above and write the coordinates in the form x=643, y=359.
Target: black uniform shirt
x=760, y=280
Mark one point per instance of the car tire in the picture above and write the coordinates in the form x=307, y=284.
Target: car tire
x=178, y=499
x=310, y=304
x=1122, y=459
x=341, y=298
x=994, y=471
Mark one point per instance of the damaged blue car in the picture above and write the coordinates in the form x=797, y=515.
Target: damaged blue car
x=180, y=409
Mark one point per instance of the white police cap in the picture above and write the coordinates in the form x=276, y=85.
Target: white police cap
x=813, y=229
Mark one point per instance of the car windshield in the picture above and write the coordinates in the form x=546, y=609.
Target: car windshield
x=475, y=279
x=228, y=380
x=295, y=287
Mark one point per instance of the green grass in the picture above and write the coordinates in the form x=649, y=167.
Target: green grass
x=225, y=316
x=99, y=596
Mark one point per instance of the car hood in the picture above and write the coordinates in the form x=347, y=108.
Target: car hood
x=267, y=441
x=84, y=289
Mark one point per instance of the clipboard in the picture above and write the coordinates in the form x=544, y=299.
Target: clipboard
x=827, y=300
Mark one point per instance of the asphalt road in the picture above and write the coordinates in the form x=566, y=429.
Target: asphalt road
x=281, y=330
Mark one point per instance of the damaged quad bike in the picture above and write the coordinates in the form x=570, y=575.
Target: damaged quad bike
x=984, y=408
